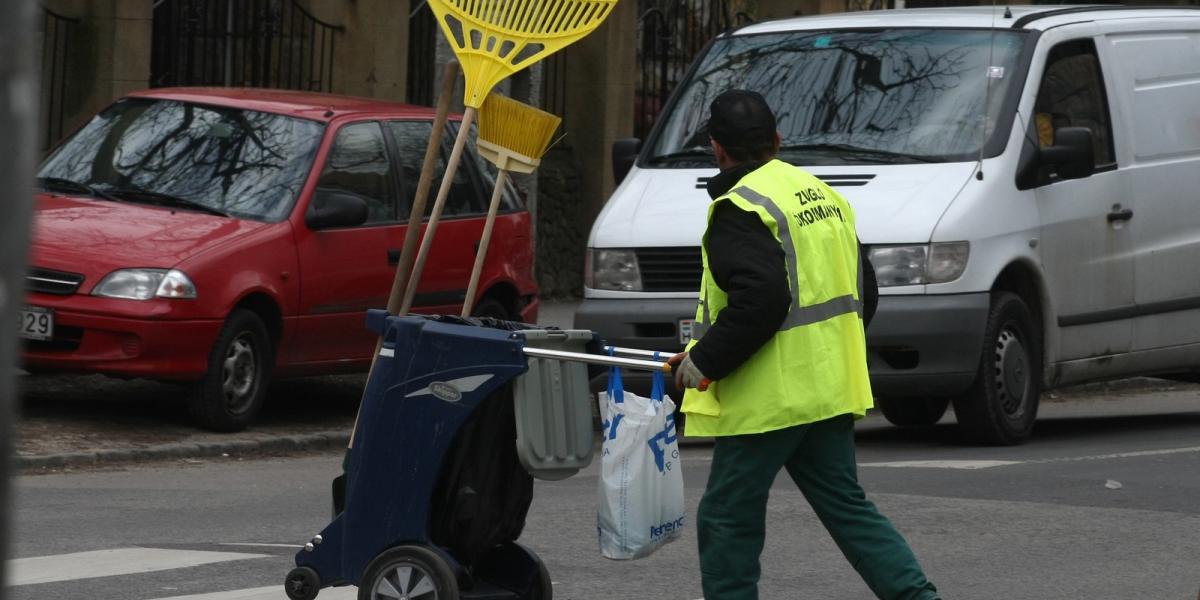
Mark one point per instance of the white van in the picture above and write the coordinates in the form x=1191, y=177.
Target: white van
x=1027, y=181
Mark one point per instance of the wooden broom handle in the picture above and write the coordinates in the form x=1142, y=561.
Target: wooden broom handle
x=430, y=230
x=432, y=149
x=481, y=253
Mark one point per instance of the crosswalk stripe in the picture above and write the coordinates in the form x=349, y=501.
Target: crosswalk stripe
x=271, y=592
x=117, y=561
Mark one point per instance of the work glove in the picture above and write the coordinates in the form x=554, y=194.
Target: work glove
x=687, y=374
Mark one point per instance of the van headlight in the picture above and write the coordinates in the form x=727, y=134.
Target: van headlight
x=919, y=264
x=606, y=269
x=144, y=284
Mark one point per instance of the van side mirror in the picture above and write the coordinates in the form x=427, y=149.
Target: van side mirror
x=624, y=154
x=330, y=209
x=1071, y=154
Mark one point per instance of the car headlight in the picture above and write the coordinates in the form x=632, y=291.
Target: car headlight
x=613, y=270
x=144, y=284
x=919, y=264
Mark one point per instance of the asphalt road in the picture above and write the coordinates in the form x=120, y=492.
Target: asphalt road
x=1104, y=503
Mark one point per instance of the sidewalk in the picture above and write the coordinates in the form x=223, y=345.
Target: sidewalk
x=70, y=422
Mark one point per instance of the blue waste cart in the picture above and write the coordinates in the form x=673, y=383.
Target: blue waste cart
x=455, y=421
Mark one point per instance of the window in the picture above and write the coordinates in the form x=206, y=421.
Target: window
x=1072, y=95
x=411, y=138
x=358, y=165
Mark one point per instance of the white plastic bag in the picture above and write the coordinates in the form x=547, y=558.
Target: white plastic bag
x=641, y=485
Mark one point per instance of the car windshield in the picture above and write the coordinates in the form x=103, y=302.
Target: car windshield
x=854, y=97
x=241, y=163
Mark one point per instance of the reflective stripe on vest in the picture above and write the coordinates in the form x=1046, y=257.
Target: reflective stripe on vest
x=798, y=315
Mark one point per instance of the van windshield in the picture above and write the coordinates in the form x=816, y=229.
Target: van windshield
x=855, y=97
x=241, y=163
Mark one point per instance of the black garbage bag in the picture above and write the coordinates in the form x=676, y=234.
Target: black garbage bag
x=483, y=493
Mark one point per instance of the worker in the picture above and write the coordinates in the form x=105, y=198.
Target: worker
x=779, y=347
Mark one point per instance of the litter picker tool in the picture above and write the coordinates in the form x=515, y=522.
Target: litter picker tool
x=494, y=39
x=513, y=136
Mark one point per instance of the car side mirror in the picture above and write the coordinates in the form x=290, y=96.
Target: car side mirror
x=331, y=209
x=1071, y=154
x=624, y=154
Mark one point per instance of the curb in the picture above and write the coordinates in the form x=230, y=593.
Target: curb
x=282, y=444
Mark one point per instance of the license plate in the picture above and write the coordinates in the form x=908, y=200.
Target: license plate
x=36, y=323
x=685, y=330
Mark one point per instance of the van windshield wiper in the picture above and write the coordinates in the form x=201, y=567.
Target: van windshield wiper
x=860, y=151
x=162, y=199
x=62, y=184
x=698, y=152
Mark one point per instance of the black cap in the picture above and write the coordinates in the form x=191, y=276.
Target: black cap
x=741, y=119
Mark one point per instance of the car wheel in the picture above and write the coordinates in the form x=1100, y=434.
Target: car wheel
x=913, y=412
x=493, y=308
x=1001, y=405
x=239, y=367
x=410, y=572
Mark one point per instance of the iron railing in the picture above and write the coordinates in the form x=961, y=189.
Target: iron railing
x=670, y=34
x=258, y=43
x=57, y=31
x=422, y=55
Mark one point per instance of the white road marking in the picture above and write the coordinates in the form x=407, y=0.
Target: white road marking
x=1121, y=455
x=118, y=561
x=944, y=464
x=271, y=592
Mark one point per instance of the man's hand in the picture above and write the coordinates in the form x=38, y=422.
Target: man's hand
x=687, y=375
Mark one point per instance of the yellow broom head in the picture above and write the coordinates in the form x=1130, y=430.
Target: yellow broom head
x=514, y=135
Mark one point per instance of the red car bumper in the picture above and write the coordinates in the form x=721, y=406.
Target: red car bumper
x=120, y=345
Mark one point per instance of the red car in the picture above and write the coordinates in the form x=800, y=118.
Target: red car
x=224, y=236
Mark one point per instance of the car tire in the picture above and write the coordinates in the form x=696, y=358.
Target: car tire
x=493, y=308
x=408, y=572
x=239, y=369
x=913, y=412
x=1001, y=405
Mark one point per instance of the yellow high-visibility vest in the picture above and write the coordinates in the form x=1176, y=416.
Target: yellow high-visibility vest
x=815, y=367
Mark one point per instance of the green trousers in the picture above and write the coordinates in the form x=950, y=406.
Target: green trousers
x=820, y=458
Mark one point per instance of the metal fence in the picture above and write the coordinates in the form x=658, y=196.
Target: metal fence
x=670, y=34
x=422, y=55
x=57, y=31
x=259, y=43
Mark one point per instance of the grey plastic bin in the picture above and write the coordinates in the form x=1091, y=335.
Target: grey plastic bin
x=554, y=407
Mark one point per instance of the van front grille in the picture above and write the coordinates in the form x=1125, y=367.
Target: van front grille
x=672, y=269
x=48, y=281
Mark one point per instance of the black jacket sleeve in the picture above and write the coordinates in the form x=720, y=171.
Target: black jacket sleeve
x=748, y=263
x=870, y=291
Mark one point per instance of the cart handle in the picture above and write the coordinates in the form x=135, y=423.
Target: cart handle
x=599, y=359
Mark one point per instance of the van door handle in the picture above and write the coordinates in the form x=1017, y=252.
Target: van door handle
x=393, y=256
x=1119, y=214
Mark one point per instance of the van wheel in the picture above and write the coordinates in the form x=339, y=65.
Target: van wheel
x=239, y=367
x=491, y=307
x=1001, y=405
x=913, y=412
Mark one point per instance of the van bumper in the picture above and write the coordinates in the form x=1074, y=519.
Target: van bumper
x=926, y=345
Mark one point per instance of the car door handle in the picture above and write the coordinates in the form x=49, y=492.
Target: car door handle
x=393, y=256
x=1120, y=214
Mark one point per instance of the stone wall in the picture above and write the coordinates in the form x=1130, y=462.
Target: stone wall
x=562, y=225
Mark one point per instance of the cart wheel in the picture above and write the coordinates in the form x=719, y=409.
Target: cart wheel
x=542, y=588
x=408, y=572
x=302, y=584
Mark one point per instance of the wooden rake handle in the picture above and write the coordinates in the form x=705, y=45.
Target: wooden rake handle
x=430, y=230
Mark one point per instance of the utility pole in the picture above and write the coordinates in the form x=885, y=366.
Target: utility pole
x=18, y=114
